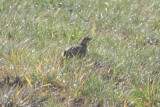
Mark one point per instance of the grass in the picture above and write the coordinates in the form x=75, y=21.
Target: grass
x=121, y=67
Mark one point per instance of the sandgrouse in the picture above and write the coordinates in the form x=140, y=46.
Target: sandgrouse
x=77, y=50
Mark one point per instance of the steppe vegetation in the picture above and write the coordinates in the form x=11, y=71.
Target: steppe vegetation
x=121, y=67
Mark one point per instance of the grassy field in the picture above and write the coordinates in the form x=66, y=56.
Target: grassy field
x=121, y=67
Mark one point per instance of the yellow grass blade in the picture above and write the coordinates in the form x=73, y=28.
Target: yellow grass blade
x=136, y=37
x=45, y=85
x=39, y=67
x=125, y=102
x=3, y=105
x=6, y=96
x=29, y=82
x=25, y=102
x=153, y=84
x=94, y=28
x=18, y=93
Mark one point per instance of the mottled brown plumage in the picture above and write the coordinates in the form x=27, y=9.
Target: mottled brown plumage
x=77, y=50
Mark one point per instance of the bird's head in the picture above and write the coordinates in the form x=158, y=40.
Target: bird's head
x=86, y=40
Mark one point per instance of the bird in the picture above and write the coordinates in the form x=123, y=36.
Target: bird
x=77, y=50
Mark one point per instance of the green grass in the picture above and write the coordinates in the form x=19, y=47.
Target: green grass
x=121, y=67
